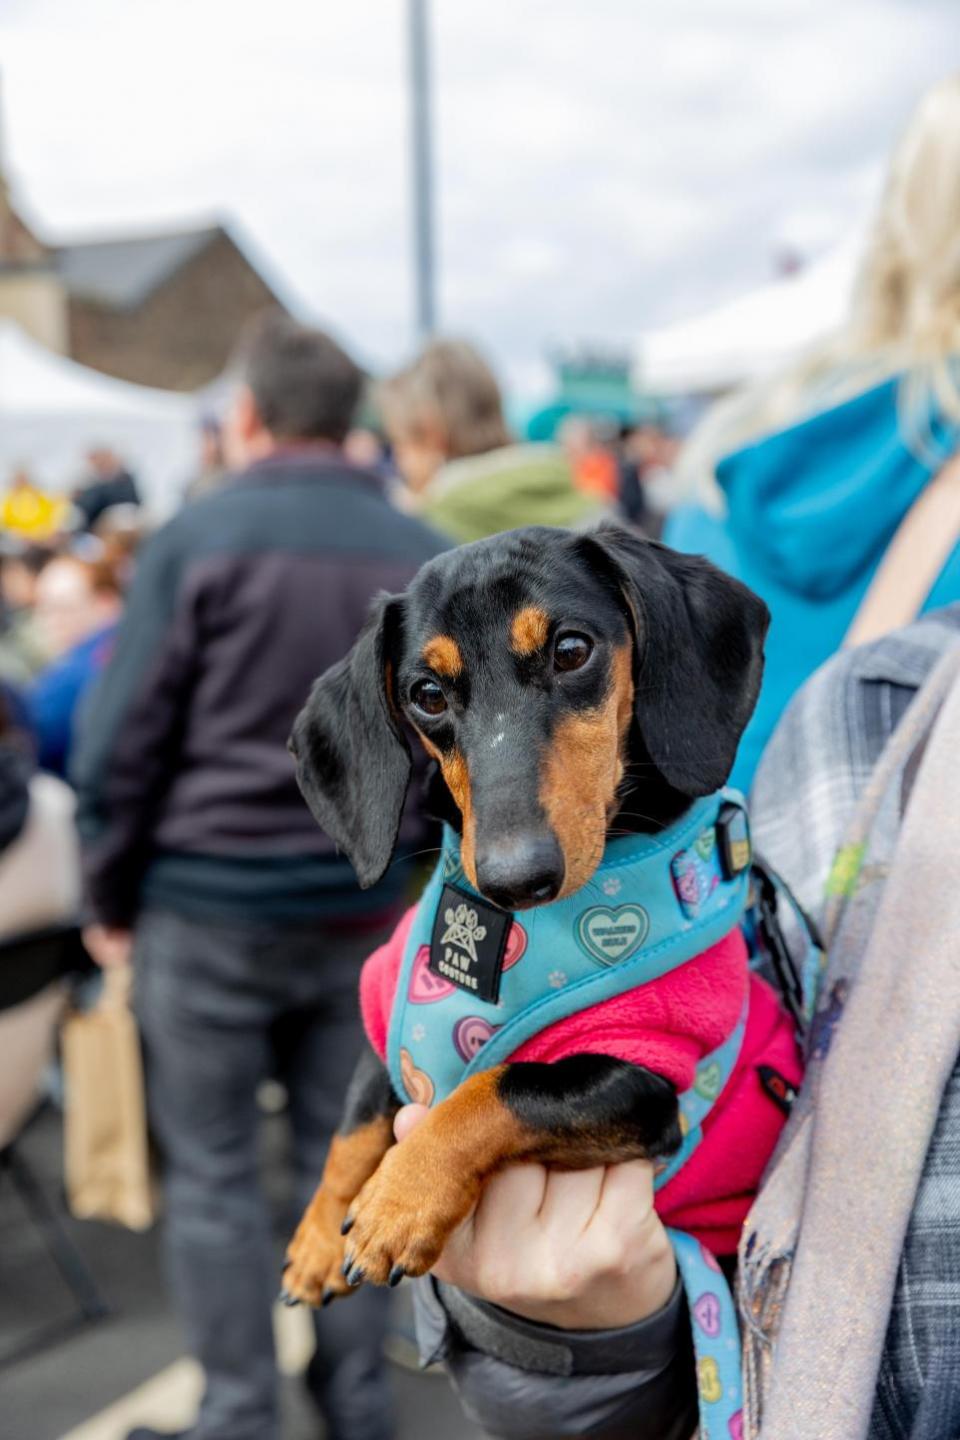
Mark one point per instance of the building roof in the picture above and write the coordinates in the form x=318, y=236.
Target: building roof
x=124, y=272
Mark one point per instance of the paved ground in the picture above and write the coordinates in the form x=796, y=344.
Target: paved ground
x=95, y=1383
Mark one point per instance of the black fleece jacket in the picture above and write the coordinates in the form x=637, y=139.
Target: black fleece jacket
x=187, y=796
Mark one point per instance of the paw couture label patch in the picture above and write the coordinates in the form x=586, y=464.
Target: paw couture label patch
x=468, y=943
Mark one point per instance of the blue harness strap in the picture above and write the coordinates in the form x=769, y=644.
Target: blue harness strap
x=716, y=1339
x=695, y=1104
x=464, y=1004
x=654, y=903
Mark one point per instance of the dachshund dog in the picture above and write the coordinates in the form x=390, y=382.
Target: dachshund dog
x=567, y=686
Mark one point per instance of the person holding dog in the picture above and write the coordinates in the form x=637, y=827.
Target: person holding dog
x=555, y=1306
x=245, y=928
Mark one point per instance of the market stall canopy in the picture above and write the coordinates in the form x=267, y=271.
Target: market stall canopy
x=752, y=335
x=52, y=411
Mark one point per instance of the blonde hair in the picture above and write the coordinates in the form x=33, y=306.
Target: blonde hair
x=904, y=318
x=907, y=297
x=448, y=388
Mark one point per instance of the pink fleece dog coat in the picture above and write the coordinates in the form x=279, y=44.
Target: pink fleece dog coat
x=568, y=979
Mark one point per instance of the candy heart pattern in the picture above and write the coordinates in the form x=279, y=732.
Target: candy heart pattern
x=515, y=946
x=706, y=1312
x=417, y=1083
x=708, y=1380
x=470, y=1034
x=707, y=1082
x=425, y=987
x=611, y=933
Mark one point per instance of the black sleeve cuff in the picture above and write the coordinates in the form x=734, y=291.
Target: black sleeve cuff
x=651, y=1345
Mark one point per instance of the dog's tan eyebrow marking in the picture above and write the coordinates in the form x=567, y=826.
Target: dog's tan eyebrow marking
x=529, y=630
x=442, y=654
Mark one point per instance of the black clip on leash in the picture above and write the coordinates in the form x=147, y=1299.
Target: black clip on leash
x=770, y=933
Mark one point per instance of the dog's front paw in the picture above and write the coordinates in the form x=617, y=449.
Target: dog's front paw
x=314, y=1269
x=403, y=1217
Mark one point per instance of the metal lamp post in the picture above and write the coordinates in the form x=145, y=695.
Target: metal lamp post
x=422, y=158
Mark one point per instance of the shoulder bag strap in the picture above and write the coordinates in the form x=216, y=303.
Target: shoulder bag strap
x=914, y=558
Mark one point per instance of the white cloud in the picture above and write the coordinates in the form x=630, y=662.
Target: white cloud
x=600, y=169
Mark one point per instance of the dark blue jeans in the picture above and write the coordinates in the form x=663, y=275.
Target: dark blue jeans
x=221, y=1007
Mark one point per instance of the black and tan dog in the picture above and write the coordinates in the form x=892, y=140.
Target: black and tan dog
x=565, y=686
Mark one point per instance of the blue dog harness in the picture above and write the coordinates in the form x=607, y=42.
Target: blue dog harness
x=475, y=984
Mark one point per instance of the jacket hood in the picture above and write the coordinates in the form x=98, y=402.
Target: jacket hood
x=815, y=506
x=505, y=489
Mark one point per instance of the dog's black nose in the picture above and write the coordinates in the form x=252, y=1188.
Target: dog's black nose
x=520, y=871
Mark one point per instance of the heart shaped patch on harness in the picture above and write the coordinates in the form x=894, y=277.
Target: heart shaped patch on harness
x=708, y=1081
x=515, y=947
x=425, y=987
x=452, y=868
x=706, y=1312
x=470, y=1034
x=610, y=934
x=417, y=1083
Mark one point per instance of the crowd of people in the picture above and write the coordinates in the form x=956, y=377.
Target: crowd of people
x=159, y=675
x=64, y=567
x=442, y=449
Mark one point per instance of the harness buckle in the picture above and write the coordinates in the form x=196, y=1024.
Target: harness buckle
x=771, y=937
x=733, y=839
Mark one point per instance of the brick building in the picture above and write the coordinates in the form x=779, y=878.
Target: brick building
x=31, y=290
x=161, y=309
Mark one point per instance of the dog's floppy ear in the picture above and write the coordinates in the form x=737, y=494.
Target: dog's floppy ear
x=353, y=762
x=699, y=637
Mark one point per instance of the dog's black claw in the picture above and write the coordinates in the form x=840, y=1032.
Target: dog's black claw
x=347, y=1225
x=285, y=1266
x=347, y=1266
x=396, y=1275
x=328, y=1296
x=287, y=1299
x=356, y=1274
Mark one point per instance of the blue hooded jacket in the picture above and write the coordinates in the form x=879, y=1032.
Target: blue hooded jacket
x=811, y=511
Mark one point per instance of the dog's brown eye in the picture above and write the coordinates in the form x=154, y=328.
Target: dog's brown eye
x=571, y=651
x=428, y=697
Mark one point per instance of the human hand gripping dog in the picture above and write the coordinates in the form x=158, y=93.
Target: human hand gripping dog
x=578, y=1249
x=572, y=990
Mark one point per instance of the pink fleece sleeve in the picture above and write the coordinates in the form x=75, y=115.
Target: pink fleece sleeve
x=378, y=984
x=668, y=1025
x=712, y=1192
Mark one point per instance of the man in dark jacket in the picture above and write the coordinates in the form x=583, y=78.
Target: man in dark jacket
x=247, y=929
x=109, y=483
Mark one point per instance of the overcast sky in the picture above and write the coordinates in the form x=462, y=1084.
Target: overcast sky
x=601, y=168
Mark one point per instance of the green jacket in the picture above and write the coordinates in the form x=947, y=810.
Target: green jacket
x=504, y=489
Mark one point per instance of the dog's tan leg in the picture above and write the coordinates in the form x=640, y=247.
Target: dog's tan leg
x=576, y=1113
x=403, y=1216
x=314, y=1270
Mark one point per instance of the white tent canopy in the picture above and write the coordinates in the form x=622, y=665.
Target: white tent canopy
x=53, y=410
x=752, y=335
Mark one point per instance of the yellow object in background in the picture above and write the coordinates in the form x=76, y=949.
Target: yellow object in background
x=31, y=512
